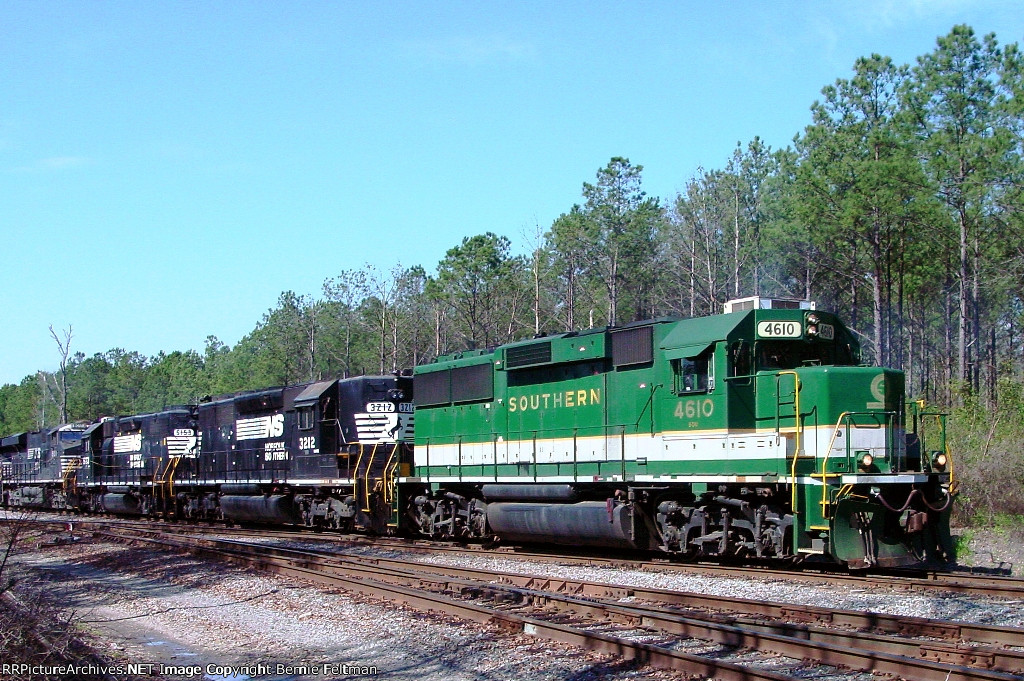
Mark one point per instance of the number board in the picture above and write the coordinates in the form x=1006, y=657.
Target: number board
x=779, y=329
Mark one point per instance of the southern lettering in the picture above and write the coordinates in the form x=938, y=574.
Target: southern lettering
x=565, y=398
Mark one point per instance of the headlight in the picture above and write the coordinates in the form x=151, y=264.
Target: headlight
x=812, y=318
x=939, y=461
x=812, y=330
x=865, y=462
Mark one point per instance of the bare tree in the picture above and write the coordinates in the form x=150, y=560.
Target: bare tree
x=65, y=351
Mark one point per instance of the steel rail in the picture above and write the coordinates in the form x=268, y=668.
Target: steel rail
x=952, y=582
x=878, y=622
x=1005, y=660
x=928, y=662
x=910, y=580
x=511, y=622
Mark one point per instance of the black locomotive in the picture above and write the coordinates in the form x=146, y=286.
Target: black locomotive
x=323, y=454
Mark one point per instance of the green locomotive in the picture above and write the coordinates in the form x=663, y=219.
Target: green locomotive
x=754, y=433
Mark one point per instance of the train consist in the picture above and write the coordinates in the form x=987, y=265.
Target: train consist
x=325, y=454
x=754, y=433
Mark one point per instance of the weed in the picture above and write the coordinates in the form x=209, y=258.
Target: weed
x=964, y=554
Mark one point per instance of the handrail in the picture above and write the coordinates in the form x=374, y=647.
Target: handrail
x=366, y=476
x=949, y=462
x=73, y=467
x=845, y=416
x=796, y=406
x=355, y=472
x=157, y=482
x=387, y=474
x=650, y=401
x=828, y=452
x=839, y=422
x=172, y=466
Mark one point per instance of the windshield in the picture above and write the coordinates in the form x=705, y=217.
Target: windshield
x=779, y=354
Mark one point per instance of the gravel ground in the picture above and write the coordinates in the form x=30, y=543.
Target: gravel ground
x=994, y=549
x=144, y=606
x=150, y=607
x=943, y=606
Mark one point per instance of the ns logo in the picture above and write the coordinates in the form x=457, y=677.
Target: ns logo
x=276, y=426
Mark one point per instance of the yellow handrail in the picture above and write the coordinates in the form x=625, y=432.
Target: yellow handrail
x=359, y=460
x=366, y=476
x=949, y=462
x=172, y=466
x=835, y=434
x=387, y=474
x=824, y=461
x=73, y=466
x=796, y=408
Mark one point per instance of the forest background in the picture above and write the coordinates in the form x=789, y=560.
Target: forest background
x=899, y=207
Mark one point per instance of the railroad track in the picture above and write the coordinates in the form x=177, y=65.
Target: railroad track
x=983, y=585
x=697, y=634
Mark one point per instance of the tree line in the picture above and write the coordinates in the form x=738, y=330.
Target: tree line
x=899, y=207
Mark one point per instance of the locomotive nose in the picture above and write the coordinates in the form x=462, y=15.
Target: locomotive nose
x=853, y=389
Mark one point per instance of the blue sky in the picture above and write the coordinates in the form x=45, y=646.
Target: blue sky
x=167, y=169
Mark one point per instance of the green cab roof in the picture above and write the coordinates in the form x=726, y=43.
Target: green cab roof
x=693, y=333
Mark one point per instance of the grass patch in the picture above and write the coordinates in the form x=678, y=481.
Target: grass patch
x=962, y=545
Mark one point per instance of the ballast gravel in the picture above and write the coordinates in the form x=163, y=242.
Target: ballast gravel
x=141, y=606
x=148, y=606
x=938, y=605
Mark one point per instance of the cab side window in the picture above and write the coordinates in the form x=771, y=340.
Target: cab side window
x=692, y=374
x=740, y=364
x=306, y=420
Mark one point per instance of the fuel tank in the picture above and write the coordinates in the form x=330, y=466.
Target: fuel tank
x=125, y=504
x=260, y=509
x=587, y=523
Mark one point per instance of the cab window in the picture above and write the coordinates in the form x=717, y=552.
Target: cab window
x=306, y=419
x=740, y=362
x=774, y=355
x=692, y=374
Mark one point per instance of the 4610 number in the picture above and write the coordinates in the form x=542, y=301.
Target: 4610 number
x=779, y=329
x=692, y=409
